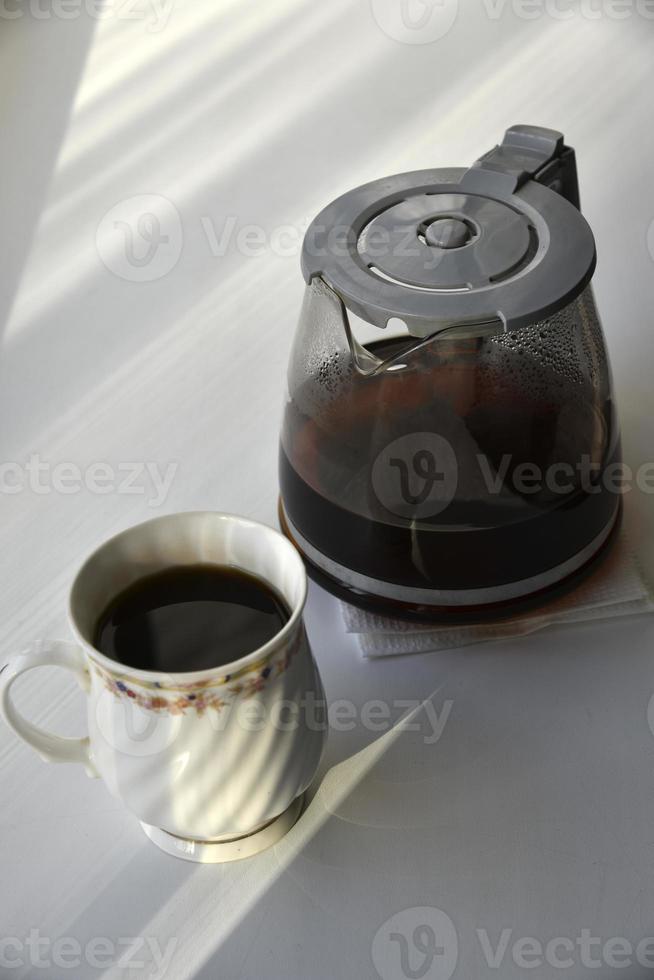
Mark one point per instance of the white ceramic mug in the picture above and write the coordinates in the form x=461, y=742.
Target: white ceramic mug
x=213, y=763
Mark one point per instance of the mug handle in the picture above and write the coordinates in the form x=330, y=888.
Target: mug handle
x=51, y=748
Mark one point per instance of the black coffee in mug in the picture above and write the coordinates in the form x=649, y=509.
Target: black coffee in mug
x=190, y=618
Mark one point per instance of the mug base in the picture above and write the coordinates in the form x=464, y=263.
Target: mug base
x=226, y=849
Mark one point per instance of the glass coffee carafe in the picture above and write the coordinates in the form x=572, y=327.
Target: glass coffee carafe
x=450, y=421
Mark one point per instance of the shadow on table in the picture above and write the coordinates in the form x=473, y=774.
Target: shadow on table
x=392, y=827
x=475, y=825
x=235, y=179
x=41, y=60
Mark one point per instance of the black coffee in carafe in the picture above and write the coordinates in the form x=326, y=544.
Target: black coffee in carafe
x=462, y=464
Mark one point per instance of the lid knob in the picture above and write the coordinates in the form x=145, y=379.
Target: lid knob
x=448, y=233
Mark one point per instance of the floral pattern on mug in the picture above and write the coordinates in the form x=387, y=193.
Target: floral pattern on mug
x=199, y=696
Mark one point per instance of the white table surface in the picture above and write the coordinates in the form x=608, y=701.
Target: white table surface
x=534, y=812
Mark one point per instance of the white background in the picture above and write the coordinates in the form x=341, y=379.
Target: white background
x=535, y=810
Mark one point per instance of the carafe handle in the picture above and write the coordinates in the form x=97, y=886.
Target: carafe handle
x=527, y=153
